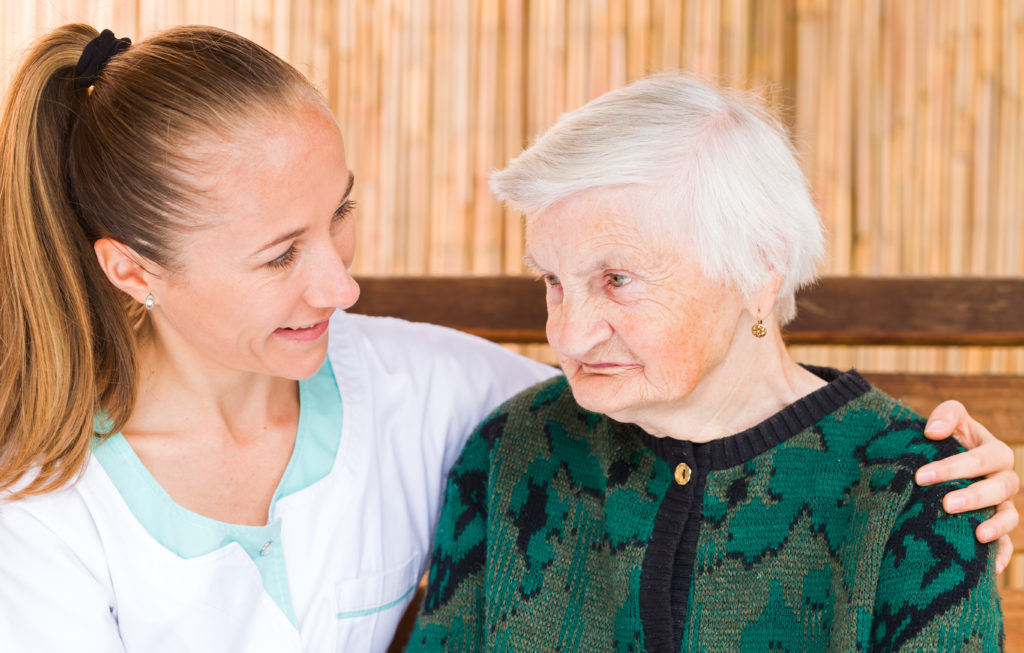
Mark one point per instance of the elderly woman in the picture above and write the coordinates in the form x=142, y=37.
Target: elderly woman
x=687, y=485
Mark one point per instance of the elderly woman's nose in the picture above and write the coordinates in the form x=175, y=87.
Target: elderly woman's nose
x=577, y=325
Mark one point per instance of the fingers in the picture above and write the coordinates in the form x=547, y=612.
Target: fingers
x=995, y=490
x=951, y=418
x=988, y=458
x=1000, y=525
x=1004, y=555
x=945, y=419
x=986, y=455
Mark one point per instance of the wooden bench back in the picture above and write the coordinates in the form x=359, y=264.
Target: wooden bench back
x=835, y=311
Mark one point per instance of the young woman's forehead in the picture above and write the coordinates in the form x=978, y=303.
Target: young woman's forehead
x=284, y=181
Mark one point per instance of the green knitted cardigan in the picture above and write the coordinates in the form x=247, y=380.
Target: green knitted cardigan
x=564, y=530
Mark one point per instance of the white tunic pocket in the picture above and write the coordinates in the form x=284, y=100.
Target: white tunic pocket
x=369, y=608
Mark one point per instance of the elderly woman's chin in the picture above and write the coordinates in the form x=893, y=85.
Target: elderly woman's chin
x=625, y=394
x=601, y=394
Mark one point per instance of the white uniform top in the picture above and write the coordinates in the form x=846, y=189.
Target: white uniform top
x=111, y=563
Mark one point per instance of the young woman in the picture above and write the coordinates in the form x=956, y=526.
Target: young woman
x=200, y=451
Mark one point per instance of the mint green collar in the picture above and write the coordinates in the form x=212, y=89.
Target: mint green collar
x=189, y=534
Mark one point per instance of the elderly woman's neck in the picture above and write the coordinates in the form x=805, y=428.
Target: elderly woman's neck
x=750, y=385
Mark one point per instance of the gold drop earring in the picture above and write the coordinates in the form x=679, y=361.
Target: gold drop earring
x=759, y=329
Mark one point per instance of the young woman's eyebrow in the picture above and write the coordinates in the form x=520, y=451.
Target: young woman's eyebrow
x=277, y=241
x=298, y=232
x=348, y=191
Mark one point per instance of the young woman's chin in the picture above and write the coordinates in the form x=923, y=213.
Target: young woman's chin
x=298, y=365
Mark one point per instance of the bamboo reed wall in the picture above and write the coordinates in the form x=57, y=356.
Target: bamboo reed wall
x=908, y=113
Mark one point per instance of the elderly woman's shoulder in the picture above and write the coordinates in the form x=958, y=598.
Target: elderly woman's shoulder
x=889, y=430
x=548, y=402
x=547, y=396
x=547, y=393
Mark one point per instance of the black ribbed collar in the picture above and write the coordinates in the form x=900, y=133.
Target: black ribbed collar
x=731, y=450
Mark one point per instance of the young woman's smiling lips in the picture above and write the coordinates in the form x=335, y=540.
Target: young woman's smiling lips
x=307, y=333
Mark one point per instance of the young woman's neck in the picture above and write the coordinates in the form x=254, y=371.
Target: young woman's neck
x=179, y=390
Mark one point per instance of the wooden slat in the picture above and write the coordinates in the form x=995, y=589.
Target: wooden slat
x=504, y=309
x=997, y=401
x=838, y=310
x=1017, y=535
x=1013, y=619
x=910, y=311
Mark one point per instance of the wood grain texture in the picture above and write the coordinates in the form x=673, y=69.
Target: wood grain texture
x=503, y=309
x=837, y=310
x=1013, y=619
x=910, y=311
x=1017, y=536
x=997, y=401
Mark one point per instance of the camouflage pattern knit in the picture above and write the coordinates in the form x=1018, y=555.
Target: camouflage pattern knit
x=564, y=530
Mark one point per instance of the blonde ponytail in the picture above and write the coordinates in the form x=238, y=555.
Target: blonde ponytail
x=53, y=334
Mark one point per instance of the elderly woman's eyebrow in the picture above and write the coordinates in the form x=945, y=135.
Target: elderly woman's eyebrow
x=531, y=263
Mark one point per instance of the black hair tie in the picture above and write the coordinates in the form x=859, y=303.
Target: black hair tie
x=96, y=55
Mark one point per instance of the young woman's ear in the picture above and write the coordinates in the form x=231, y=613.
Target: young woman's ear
x=121, y=265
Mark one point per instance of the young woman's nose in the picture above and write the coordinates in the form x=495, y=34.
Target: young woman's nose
x=330, y=284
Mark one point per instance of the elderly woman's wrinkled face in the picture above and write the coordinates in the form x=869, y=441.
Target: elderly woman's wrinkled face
x=634, y=322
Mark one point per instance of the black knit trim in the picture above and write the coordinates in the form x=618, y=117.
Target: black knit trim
x=842, y=388
x=667, y=571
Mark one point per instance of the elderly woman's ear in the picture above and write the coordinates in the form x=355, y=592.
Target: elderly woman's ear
x=761, y=303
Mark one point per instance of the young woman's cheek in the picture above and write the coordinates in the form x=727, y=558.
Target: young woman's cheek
x=346, y=242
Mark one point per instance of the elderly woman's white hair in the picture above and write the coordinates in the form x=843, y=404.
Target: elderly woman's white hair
x=713, y=159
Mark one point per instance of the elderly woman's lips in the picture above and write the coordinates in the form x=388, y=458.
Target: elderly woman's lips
x=605, y=366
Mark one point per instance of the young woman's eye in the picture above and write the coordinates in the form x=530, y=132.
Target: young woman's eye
x=284, y=260
x=343, y=211
x=616, y=280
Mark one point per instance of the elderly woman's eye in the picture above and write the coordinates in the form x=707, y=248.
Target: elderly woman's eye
x=550, y=280
x=618, y=280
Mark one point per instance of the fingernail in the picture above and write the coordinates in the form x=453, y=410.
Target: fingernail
x=985, y=533
x=925, y=477
x=1000, y=566
x=937, y=425
x=955, y=503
